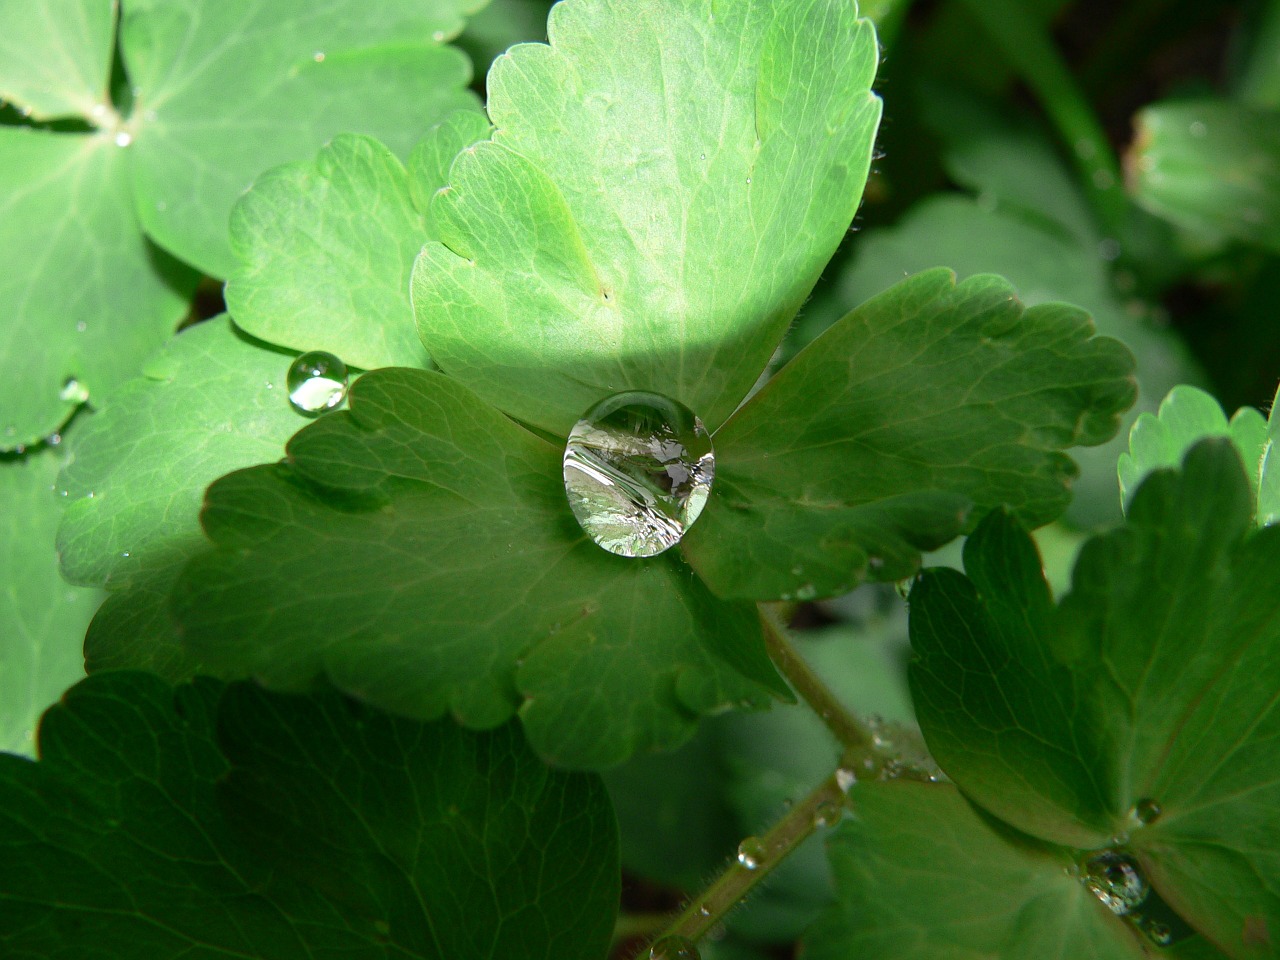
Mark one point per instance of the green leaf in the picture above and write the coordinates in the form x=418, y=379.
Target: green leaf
x=1186, y=416
x=1259, y=81
x=420, y=552
x=871, y=444
x=666, y=184
x=42, y=618
x=1153, y=680
x=215, y=822
x=55, y=55
x=326, y=247
x=921, y=875
x=83, y=295
x=1211, y=167
x=210, y=402
x=225, y=92
x=1044, y=263
x=1269, y=470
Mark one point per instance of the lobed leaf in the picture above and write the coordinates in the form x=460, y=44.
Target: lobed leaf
x=665, y=182
x=213, y=821
x=419, y=552
x=55, y=56
x=871, y=445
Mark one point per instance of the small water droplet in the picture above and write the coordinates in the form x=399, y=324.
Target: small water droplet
x=124, y=553
x=81, y=327
x=1109, y=249
x=638, y=469
x=1116, y=880
x=1161, y=934
x=704, y=911
x=751, y=853
x=674, y=948
x=123, y=138
x=702, y=156
x=1145, y=812
x=875, y=563
x=806, y=591
x=845, y=779
x=73, y=391
x=826, y=814
x=1198, y=129
x=438, y=36
x=904, y=588
x=318, y=56
x=317, y=382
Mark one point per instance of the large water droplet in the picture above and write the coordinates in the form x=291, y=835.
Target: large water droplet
x=637, y=470
x=751, y=852
x=674, y=948
x=317, y=381
x=1116, y=880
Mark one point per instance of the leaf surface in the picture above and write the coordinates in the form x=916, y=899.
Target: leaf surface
x=420, y=552
x=226, y=822
x=871, y=445
x=225, y=91
x=55, y=55
x=921, y=875
x=83, y=295
x=326, y=247
x=42, y=618
x=210, y=402
x=665, y=183
x=1210, y=166
x=1155, y=679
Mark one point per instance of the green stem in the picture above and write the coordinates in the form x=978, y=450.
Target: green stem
x=817, y=809
x=854, y=735
x=1029, y=49
x=628, y=926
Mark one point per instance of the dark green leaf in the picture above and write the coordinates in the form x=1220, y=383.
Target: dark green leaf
x=207, y=823
x=1154, y=680
x=870, y=445
x=667, y=182
x=420, y=552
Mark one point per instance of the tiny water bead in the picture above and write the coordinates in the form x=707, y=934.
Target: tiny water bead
x=1116, y=879
x=827, y=814
x=638, y=469
x=1145, y=812
x=317, y=382
x=674, y=948
x=751, y=853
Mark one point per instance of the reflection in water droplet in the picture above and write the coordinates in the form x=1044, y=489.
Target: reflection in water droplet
x=751, y=853
x=73, y=391
x=124, y=138
x=637, y=471
x=1116, y=880
x=317, y=382
x=674, y=948
x=845, y=779
x=1145, y=812
x=826, y=814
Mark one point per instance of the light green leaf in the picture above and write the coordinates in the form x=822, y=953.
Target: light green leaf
x=42, y=618
x=666, y=183
x=211, y=402
x=55, y=56
x=226, y=91
x=83, y=295
x=419, y=551
x=226, y=822
x=1154, y=680
x=1269, y=470
x=871, y=444
x=1211, y=167
x=1186, y=416
x=326, y=247
x=1044, y=264
x=921, y=875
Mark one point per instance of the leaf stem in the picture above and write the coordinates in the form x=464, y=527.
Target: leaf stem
x=1032, y=53
x=727, y=891
x=852, y=733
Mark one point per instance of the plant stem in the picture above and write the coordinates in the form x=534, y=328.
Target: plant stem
x=854, y=735
x=728, y=890
x=631, y=925
x=1031, y=52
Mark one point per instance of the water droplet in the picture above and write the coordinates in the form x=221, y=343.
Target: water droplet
x=123, y=138
x=1109, y=249
x=318, y=56
x=81, y=327
x=751, y=852
x=845, y=779
x=637, y=471
x=826, y=814
x=674, y=948
x=438, y=36
x=806, y=591
x=73, y=391
x=1161, y=934
x=1198, y=129
x=317, y=382
x=1145, y=812
x=904, y=588
x=704, y=911
x=1115, y=879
